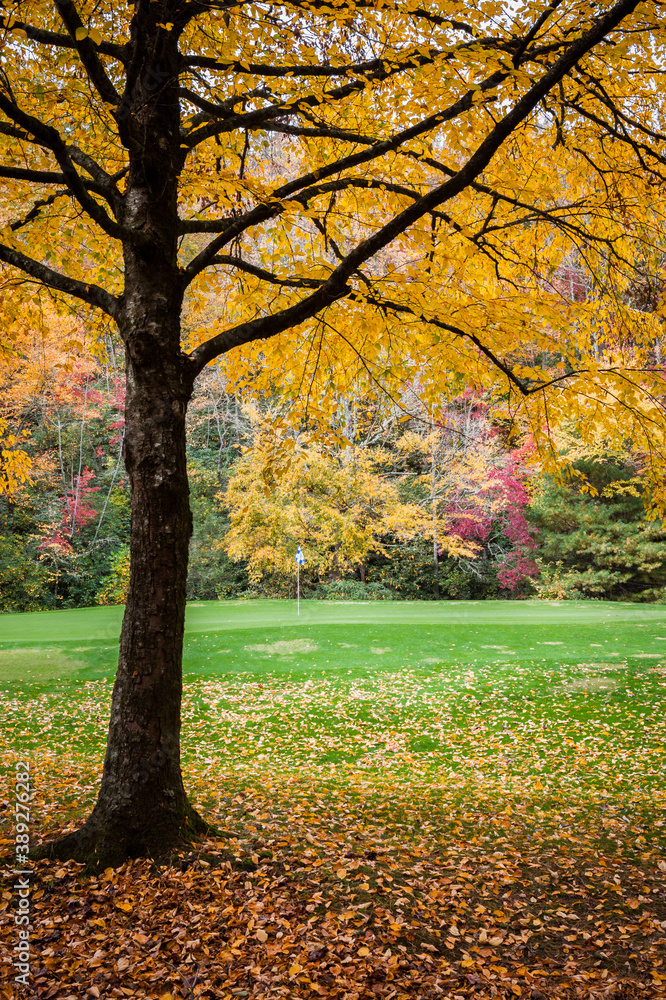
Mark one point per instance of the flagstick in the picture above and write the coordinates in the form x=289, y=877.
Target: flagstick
x=298, y=588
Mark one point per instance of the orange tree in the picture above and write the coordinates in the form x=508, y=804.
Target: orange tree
x=381, y=189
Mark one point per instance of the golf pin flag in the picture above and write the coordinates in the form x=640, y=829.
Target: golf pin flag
x=300, y=558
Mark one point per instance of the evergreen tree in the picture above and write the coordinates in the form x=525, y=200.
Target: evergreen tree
x=599, y=546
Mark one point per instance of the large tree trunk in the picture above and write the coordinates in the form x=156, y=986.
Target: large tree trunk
x=142, y=809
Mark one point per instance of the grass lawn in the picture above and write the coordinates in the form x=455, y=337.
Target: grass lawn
x=488, y=777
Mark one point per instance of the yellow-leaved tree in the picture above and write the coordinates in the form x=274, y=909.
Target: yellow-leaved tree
x=336, y=500
x=399, y=192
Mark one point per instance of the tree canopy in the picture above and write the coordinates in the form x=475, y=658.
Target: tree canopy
x=328, y=194
x=313, y=164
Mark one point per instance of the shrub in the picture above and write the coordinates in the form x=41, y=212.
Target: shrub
x=25, y=581
x=114, y=589
x=353, y=590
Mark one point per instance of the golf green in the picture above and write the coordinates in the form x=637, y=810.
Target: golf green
x=225, y=637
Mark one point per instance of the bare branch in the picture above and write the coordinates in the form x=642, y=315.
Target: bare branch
x=289, y=190
x=319, y=131
x=262, y=69
x=263, y=327
x=37, y=208
x=44, y=177
x=209, y=108
x=421, y=12
x=535, y=29
x=640, y=148
x=269, y=210
x=386, y=305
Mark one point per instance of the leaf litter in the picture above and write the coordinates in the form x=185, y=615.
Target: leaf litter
x=469, y=832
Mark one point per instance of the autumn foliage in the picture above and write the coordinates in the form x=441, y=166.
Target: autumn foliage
x=334, y=199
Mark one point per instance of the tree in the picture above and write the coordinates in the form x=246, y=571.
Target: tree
x=338, y=503
x=472, y=493
x=143, y=176
x=599, y=546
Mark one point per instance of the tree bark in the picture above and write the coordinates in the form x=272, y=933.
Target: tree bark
x=142, y=808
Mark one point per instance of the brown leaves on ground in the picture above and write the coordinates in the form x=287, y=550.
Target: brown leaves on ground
x=304, y=919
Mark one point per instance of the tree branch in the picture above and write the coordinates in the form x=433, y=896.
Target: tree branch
x=53, y=38
x=316, y=132
x=534, y=30
x=15, y=133
x=50, y=138
x=87, y=53
x=37, y=207
x=44, y=177
x=621, y=136
x=254, y=119
x=289, y=190
x=261, y=272
x=261, y=69
x=336, y=286
x=386, y=305
x=92, y=294
x=309, y=5
x=523, y=387
x=263, y=327
x=209, y=108
x=273, y=208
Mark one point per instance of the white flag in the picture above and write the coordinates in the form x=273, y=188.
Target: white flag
x=300, y=558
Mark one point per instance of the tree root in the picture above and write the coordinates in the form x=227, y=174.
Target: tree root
x=101, y=844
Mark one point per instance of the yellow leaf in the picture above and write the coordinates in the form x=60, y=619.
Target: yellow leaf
x=80, y=34
x=95, y=36
x=295, y=969
x=363, y=952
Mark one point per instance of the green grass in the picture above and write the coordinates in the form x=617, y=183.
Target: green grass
x=259, y=636
x=418, y=712
x=380, y=753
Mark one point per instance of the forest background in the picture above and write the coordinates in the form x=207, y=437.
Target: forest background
x=400, y=502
